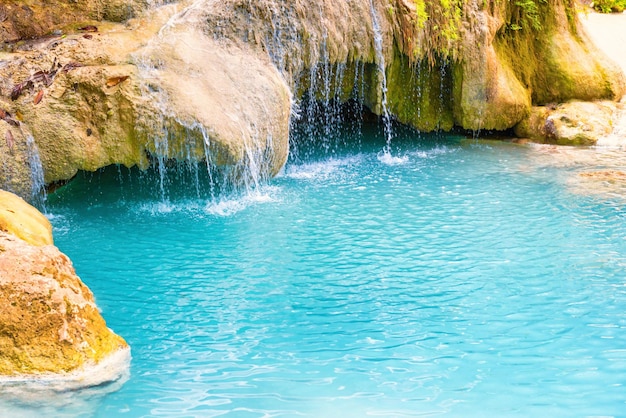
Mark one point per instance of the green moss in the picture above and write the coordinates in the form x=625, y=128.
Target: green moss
x=420, y=94
x=421, y=15
x=609, y=6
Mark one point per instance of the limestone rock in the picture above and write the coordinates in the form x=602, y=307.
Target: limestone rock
x=573, y=123
x=24, y=221
x=37, y=18
x=180, y=95
x=487, y=93
x=214, y=80
x=49, y=323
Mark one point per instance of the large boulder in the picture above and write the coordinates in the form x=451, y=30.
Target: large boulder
x=572, y=123
x=156, y=86
x=50, y=327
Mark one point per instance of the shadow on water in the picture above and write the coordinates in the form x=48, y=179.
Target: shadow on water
x=356, y=130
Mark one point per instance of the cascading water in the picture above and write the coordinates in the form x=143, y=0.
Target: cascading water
x=617, y=138
x=380, y=62
x=184, y=143
x=38, y=193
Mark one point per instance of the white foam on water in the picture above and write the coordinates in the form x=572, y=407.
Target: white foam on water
x=230, y=205
x=321, y=169
x=388, y=159
x=60, y=222
x=58, y=389
x=165, y=207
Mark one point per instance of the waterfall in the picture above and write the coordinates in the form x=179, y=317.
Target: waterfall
x=38, y=185
x=188, y=128
x=174, y=141
x=380, y=62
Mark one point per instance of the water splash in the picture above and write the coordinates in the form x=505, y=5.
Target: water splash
x=385, y=157
x=380, y=62
x=230, y=205
x=185, y=145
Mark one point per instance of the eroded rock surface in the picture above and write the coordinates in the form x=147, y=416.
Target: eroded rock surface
x=214, y=80
x=155, y=87
x=573, y=123
x=50, y=325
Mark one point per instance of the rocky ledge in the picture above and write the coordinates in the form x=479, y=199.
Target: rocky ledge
x=215, y=81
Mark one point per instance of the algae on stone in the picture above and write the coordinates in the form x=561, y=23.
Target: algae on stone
x=215, y=80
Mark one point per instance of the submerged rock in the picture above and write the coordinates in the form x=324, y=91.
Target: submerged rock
x=50, y=327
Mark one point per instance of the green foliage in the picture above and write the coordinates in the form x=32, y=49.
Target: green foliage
x=610, y=6
x=420, y=12
x=530, y=14
x=443, y=24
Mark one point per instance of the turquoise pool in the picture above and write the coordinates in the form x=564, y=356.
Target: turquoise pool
x=460, y=278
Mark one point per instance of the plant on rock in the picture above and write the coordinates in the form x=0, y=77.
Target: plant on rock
x=610, y=6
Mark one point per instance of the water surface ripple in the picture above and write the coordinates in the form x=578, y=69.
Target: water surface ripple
x=463, y=282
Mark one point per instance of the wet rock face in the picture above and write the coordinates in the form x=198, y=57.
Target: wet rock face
x=49, y=322
x=217, y=78
x=114, y=94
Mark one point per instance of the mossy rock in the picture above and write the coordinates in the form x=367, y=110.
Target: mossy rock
x=49, y=323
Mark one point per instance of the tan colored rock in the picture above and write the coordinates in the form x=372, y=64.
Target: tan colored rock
x=487, y=93
x=229, y=93
x=24, y=221
x=37, y=18
x=180, y=95
x=49, y=323
x=573, y=123
x=214, y=79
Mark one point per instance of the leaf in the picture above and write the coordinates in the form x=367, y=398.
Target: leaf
x=114, y=81
x=89, y=28
x=6, y=116
x=70, y=66
x=17, y=91
x=39, y=76
x=10, y=140
x=38, y=97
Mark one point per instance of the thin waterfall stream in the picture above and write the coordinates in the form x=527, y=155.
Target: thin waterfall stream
x=382, y=73
x=382, y=272
x=38, y=193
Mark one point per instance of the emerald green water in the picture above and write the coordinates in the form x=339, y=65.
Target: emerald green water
x=459, y=279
